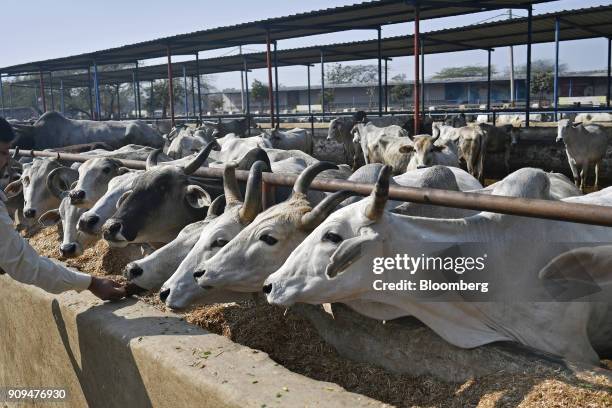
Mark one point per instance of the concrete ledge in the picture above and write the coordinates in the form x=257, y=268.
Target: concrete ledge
x=130, y=354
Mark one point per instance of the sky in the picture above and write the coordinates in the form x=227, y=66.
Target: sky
x=67, y=27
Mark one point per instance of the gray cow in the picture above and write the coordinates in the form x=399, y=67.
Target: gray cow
x=585, y=145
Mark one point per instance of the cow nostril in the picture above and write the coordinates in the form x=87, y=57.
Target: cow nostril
x=133, y=271
x=163, y=295
x=68, y=249
x=267, y=288
x=199, y=274
x=29, y=213
x=114, y=227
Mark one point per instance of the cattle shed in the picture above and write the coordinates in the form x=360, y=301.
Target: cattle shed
x=367, y=16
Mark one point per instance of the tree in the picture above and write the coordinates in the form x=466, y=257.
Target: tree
x=161, y=97
x=329, y=99
x=400, y=92
x=259, y=92
x=542, y=83
x=215, y=102
x=351, y=74
x=539, y=65
x=463, y=72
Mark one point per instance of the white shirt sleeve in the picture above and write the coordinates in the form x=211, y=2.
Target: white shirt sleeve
x=21, y=262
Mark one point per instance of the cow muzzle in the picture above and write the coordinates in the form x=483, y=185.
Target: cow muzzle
x=114, y=232
x=69, y=250
x=88, y=224
x=29, y=213
x=132, y=271
x=76, y=197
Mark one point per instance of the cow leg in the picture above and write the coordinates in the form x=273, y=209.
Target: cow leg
x=583, y=176
x=574, y=169
x=596, y=176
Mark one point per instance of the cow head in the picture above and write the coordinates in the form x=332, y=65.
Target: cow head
x=161, y=202
x=334, y=261
x=423, y=151
x=25, y=136
x=94, y=176
x=262, y=247
x=74, y=242
x=181, y=289
x=564, y=128
x=37, y=198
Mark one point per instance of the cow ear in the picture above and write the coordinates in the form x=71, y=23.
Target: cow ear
x=405, y=149
x=587, y=265
x=438, y=148
x=122, y=198
x=348, y=252
x=50, y=218
x=197, y=197
x=13, y=188
x=122, y=170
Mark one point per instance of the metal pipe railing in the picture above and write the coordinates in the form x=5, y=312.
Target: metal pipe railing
x=534, y=208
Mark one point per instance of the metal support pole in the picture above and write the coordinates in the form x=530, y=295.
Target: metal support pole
x=118, y=102
x=97, y=92
x=51, y=91
x=186, y=99
x=135, y=92
x=556, y=79
x=609, y=79
x=2, y=96
x=322, y=84
x=417, y=119
x=488, y=80
x=91, y=109
x=199, y=87
x=193, y=104
x=270, y=84
x=10, y=91
x=276, y=86
x=422, y=50
x=310, y=118
x=386, y=87
x=138, y=105
x=42, y=92
x=246, y=91
x=241, y=83
x=379, y=55
x=151, y=107
x=528, y=74
x=170, y=84
x=62, y=104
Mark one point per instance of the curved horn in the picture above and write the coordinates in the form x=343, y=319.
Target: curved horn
x=152, y=159
x=312, y=219
x=230, y=185
x=305, y=178
x=435, y=136
x=197, y=161
x=216, y=207
x=252, y=156
x=62, y=173
x=252, y=198
x=379, y=195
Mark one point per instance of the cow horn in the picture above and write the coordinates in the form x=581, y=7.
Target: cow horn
x=435, y=137
x=152, y=159
x=67, y=174
x=312, y=219
x=252, y=198
x=16, y=153
x=197, y=161
x=305, y=178
x=216, y=207
x=230, y=185
x=379, y=195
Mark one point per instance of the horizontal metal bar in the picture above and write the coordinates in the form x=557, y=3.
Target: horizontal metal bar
x=534, y=208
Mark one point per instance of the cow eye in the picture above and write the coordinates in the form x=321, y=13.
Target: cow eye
x=219, y=243
x=26, y=180
x=106, y=170
x=268, y=239
x=332, y=237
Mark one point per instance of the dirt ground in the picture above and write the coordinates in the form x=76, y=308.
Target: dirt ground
x=292, y=341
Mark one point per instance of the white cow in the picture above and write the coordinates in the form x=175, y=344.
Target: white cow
x=470, y=142
x=383, y=145
x=294, y=139
x=335, y=264
x=585, y=145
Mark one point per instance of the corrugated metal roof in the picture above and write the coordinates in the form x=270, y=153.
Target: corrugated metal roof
x=361, y=15
x=595, y=22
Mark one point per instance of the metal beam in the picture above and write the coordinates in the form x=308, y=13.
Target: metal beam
x=608, y=78
x=118, y=102
x=199, y=86
x=556, y=73
x=138, y=105
x=488, y=79
x=322, y=83
x=589, y=30
x=422, y=50
x=151, y=104
x=386, y=87
x=134, y=92
x=528, y=73
x=2, y=96
x=186, y=99
x=417, y=119
x=246, y=89
x=62, y=104
x=270, y=84
x=193, y=98
x=97, y=92
x=42, y=92
x=379, y=52
x=276, y=87
x=170, y=84
x=51, y=91
x=310, y=117
x=91, y=109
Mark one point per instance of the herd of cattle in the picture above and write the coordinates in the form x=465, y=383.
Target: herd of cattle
x=209, y=241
